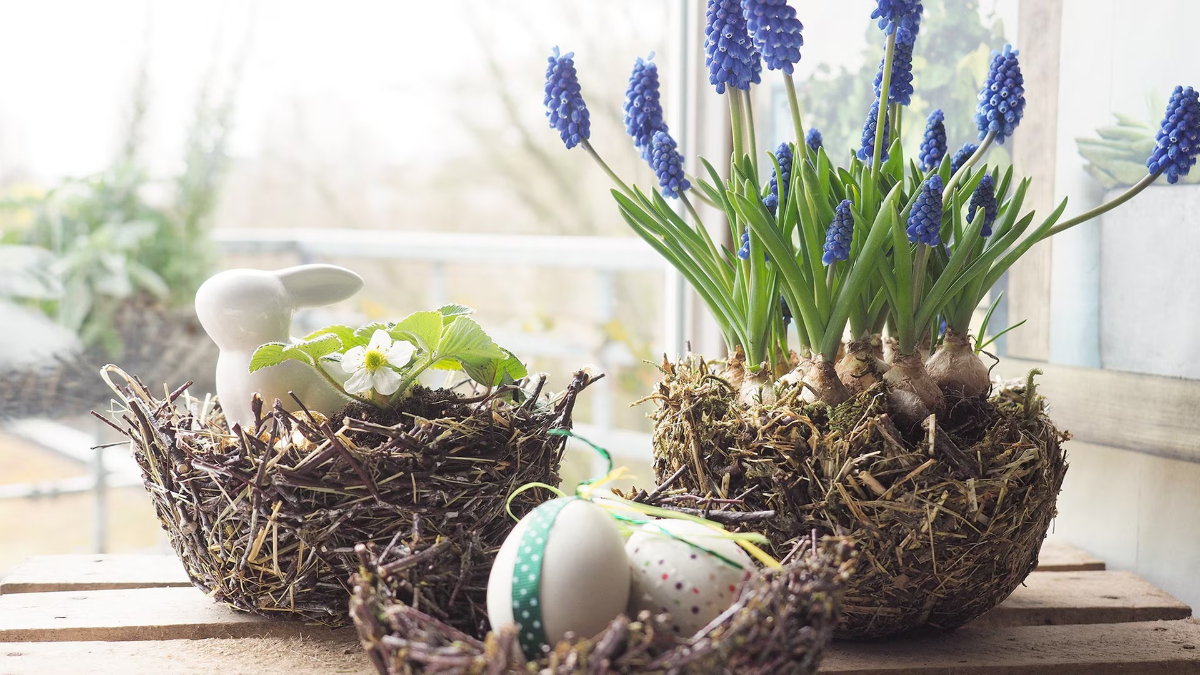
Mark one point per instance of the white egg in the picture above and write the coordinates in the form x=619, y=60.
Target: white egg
x=669, y=575
x=566, y=561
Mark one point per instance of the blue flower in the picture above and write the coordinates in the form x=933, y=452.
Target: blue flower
x=1179, y=138
x=564, y=104
x=783, y=155
x=867, y=152
x=839, y=234
x=729, y=53
x=984, y=197
x=1002, y=99
x=643, y=109
x=900, y=89
x=668, y=165
x=925, y=219
x=933, y=147
x=776, y=32
x=964, y=153
x=744, y=251
x=787, y=311
x=902, y=17
x=813, y=139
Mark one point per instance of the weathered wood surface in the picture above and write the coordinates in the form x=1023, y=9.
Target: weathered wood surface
x=47, y=573
x=1059, y=598
x=1144, y=648
x=337, y=653
x=133, y=614
x=1143, y=413
x=1059, y=556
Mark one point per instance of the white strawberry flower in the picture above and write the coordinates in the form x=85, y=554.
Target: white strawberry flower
x=372, y=366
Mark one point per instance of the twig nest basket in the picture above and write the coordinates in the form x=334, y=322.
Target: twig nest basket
x=267, y=521
x=948, y=515
x=780, y=623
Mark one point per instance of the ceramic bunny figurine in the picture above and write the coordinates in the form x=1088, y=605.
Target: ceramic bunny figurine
x=241, y=309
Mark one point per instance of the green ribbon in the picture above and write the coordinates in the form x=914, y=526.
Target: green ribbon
x=527, y=577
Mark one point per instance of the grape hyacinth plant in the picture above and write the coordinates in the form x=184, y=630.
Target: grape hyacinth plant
x=781, y=179
x=813, y=139
x=643, y=107
x=962, y=155
x=880, y=244
x=933, y=145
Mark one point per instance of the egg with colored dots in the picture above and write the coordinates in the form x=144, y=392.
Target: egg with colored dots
x=562, y=569
x=673, y=570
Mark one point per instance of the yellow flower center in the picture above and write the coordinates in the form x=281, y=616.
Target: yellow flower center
x=374, y=360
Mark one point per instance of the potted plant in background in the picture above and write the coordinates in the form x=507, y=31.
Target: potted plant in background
x=946, y=483
x=1131, y=272
x=125, y=265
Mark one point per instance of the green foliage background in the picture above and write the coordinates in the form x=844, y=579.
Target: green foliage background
x=950, y=61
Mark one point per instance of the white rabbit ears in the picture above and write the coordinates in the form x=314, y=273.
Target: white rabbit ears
x=319, y=285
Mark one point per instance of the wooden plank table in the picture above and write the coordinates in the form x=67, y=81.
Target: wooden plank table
x=135, y=614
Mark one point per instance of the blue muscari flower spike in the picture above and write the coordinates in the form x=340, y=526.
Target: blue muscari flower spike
x=839, y=234
x=867, y=152
x=565, y=108
x=933, y=147
x=783, y=155
x=729, y=53
x=813, y=139
x=900, y=90
x=643, y=107
x=668, y=165
x=787, y=311
x=776, y=32
x=964, y=153
x=1179, y=137
x=744, y=251
x=1002, y=99
x=902, y=17
x=984, y=197
x=925, y=220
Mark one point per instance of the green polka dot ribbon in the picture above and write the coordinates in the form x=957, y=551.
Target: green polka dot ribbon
x=527, y=577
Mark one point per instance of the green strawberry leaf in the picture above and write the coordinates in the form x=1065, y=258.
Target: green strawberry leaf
x=344, y=333
x=463, y=339
x=449, y=312
x=270, y=354
x=422, y=329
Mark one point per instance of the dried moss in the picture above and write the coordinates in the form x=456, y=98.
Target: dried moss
x=948, y=515
x=781, y=622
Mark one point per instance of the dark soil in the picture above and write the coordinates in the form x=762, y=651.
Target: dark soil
x=423, y=403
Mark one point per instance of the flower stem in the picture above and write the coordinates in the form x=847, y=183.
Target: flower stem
x=1105, y=207
x=691, y=209
x=408, y=381
x=611, y=174
x=336, y=385
x=750, y=133
x=794, y=104
x=735, y=123
x=962, y=170
x=885, y=86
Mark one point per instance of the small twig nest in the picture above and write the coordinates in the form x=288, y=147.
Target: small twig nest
x=267, y=521
x=780, y=623
x=948, y=514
